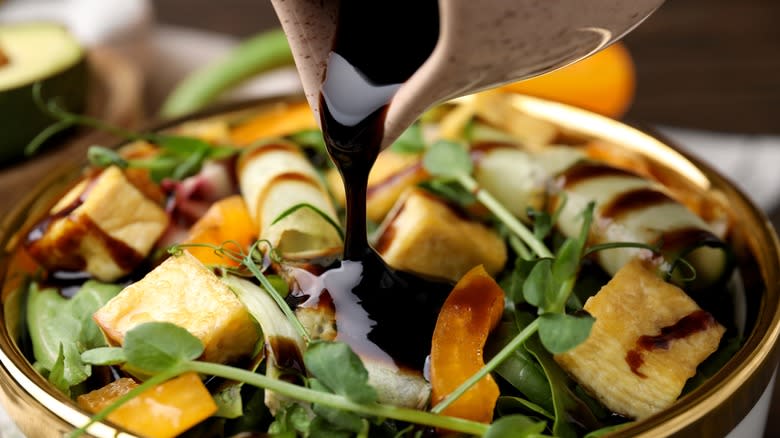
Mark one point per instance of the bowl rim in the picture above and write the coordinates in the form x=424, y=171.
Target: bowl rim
x=758, y=356
x=734, y=389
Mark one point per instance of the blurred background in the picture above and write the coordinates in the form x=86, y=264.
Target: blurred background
x=707, y=64
x=705, y=73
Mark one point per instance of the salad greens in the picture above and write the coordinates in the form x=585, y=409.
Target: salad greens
x=61, y=329
x=165, y=350
x=337, y=387
x=332, y=396
x=449, y=160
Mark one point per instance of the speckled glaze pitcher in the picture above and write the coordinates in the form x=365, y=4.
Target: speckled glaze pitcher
x=482, y=43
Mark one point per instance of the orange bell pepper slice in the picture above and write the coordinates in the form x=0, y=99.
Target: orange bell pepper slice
x=471, y=311
x=163, y=411
x=227, y=220
x=278, y=121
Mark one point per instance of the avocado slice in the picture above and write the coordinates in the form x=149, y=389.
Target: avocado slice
x=30, y=53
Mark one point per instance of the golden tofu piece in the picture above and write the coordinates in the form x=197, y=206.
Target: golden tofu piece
x=393, y=173
x=319, y=321
x=648, y=339
x=184, y=292
x=104, y=225
x=423, y=234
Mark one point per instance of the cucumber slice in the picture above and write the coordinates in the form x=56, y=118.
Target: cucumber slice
x=36, y=52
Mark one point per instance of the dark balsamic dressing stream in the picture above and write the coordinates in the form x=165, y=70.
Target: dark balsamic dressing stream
x=378, y=46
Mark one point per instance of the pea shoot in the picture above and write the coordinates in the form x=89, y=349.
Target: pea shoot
x=179, y=156
x=166, y=351
x=547, y=286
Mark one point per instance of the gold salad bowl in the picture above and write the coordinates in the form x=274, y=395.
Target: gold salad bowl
x=713, y=409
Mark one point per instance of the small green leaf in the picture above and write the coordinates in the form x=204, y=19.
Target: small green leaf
x=178, y=144
x=410, y=141
x=560, y=332
x=160, y=167
x=90, y=297
x=159, y=346
x=542, y=223
x=569, y=409
x=587, y=219
x=567, y=259
x=515, y=426
x=520, y=273
x=180, y=156
x=254, y=413
x=48, y=324
x=99, y=156
x=104, y=356
x=228, y=401
x=68, y=369
x=190, y=165
x=184, y=146
x=538, y=287
x=228, y=395
x=564, y=273
x=447, y=158
x=60, y=329
x=343, y=420
x=291, y=418
x=520, y=369
x=337, y=367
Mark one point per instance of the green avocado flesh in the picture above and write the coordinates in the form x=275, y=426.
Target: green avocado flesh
x=36, y=52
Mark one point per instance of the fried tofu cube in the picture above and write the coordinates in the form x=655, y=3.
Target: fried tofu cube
x=319, y=321
x=184, y=292
x=648, y=339
x=104, y=225
x=425, y=235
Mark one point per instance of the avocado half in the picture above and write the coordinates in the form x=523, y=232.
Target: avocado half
x=31, y=53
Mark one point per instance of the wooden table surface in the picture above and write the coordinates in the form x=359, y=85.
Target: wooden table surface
x=706, y=64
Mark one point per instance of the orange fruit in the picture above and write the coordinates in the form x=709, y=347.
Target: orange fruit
x=603, y=83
